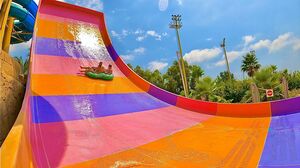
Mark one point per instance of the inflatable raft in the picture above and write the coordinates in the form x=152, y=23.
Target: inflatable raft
x=102, y=76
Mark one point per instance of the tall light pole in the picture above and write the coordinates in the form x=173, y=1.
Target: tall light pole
x=226, y=58
x=180, y=68
x=176, y=24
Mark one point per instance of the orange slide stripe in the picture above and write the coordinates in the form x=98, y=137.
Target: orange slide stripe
x=217, y=142
x=16, y=145
x=140, y=82
x=53, y=28
x=76, y=85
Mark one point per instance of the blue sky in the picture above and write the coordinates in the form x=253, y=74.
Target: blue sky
x=140, y=31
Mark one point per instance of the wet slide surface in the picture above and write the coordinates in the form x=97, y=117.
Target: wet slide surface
x=69, y=120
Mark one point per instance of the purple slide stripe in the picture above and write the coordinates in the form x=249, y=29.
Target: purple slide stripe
x=65, y=108
x=66, y=48
x=282, y=147
x=112, y=52
x=163, y=95
x=285, y=107
x=48, y=46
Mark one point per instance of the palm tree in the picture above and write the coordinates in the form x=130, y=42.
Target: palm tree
x=250, y=64
x=205, y=90
x=24, y=64
x=24, y=68
x=267, y=78
x=273, y=68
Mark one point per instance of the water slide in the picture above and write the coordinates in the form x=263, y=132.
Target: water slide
x=69, y=120
x=24, y=11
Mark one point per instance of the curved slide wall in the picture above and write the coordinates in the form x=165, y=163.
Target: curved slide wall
x=73, y=121
x=25, y=12
x=30, y=5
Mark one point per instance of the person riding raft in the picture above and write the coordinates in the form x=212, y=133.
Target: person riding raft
x=98, y=72
x=98, y=69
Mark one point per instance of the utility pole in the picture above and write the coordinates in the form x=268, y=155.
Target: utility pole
x=226, y=58
x=176, y=24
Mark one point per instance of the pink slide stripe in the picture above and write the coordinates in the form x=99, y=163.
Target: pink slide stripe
x=65, y=12
x=44, y=64
x=77, y=141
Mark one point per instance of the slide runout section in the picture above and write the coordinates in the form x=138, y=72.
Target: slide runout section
x=216, y=142
x=109, y=135
x=164, y=136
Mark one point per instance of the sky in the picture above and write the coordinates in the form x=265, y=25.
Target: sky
x=141, y=35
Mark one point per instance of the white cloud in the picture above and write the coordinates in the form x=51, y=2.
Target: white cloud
x=139, y=51
x=93, y=4
x=275, y=45
x=232, y=55
x=120, y=35
x=124, y=32
x=114, y=34
x=140, y=38
x=280, y=42
x=138, y=32
x=248, y=39
x=198, y=56
x=142, y=35
x=157, y=65
x=132, y=54
x=154, y=34
x=261, y=44
x=128, y=57
x=296, y=45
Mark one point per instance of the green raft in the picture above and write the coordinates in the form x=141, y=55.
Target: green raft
x=102, y=76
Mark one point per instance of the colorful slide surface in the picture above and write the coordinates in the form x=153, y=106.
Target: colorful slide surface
x=69, y=120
